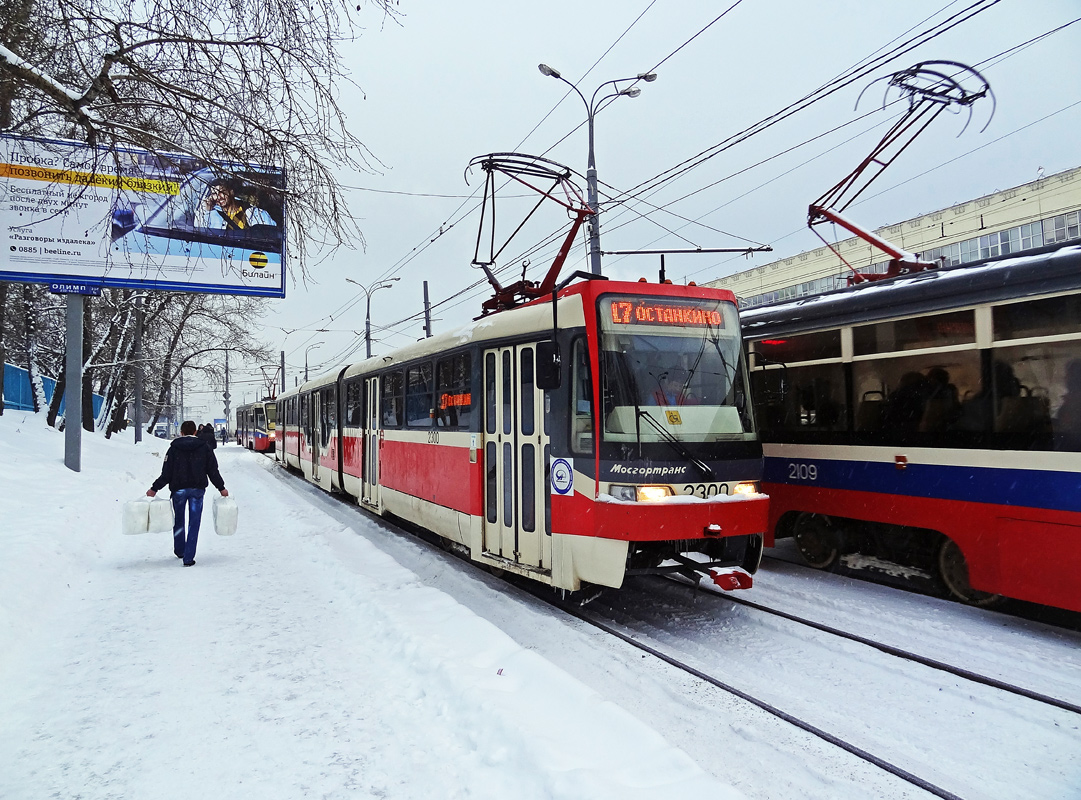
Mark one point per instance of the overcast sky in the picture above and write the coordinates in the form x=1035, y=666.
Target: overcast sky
x=448, y=82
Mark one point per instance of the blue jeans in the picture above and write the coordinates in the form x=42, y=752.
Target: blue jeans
x=193, y=499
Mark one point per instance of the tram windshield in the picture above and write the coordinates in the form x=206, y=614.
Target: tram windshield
x=271, y=414
x=672, y=369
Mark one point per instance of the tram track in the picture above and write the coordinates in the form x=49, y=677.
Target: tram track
x=960, y=672
x=649, y=646
x=759, y=703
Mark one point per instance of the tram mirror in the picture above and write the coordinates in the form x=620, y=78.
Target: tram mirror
x=549, y=366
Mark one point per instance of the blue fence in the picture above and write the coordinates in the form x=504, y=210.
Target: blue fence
x=18, y=396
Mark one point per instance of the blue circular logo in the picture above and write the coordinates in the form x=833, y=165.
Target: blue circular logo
x=562, y=476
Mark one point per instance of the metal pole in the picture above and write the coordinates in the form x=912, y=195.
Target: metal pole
x=137, y=412
x=427, y=313
x=226, y=394
x=367, y=328
x=283, y=370
x=180, y=375
x=592, y=202
x=73, y=392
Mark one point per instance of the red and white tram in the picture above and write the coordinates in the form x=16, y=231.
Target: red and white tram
x=606, y=435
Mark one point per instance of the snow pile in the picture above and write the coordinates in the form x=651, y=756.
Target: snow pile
x=296, y=659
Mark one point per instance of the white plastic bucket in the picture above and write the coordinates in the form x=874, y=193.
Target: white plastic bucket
x=225, y=516
x=161, y=515
x=136, y=516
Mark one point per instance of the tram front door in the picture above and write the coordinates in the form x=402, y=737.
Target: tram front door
x=516, y=497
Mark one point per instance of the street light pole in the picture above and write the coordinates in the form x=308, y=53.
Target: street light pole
x=592, y=106
x=309, y=347
x=368, y=310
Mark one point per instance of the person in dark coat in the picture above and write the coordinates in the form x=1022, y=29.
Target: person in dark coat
x=206, y=433
x=189, y=465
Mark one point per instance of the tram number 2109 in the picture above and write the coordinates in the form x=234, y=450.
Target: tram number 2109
x=802, y=472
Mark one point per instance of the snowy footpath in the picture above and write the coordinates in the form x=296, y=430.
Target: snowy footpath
x=296, y=659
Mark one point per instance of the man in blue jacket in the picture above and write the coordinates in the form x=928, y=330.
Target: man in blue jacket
x=189, y=466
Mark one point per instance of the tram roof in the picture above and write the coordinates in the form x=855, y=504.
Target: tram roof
x=527, y=319
x=1049, y=271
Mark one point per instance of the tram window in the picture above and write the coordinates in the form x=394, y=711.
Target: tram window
x=508, y=389
x=581, y=401
x=454, y=399
x=392, y=399
x=898, y=397
x=304, y=403
x=490, y=462
x=489, y=393
x=525, y=393
x=1037, y=391
x=508, y=486
x=529, y=487
x=1050, y=317
x=805, y=347
x=353, y=403
x=332, y=406
x=935, y=330
x=814, y=398
x=418, y=396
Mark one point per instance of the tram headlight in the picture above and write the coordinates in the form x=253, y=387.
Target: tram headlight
x=747, y=487
x=643, y=494
x=651, y=494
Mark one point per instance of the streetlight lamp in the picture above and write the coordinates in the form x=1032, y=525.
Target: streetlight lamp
x=309, y=347
x=592, y=106
x=368, y=311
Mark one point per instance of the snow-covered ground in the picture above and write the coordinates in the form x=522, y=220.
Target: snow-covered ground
x=320, y=653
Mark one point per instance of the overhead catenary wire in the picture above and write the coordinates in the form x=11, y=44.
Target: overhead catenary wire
x=860, y=70
x=626, y=197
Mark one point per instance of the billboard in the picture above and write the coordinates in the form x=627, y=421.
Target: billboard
x=74, y=215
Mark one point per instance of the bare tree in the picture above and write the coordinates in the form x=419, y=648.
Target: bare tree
x=224, y=82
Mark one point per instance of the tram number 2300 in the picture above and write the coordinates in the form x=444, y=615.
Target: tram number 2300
x=704, y=490
x=802, y=472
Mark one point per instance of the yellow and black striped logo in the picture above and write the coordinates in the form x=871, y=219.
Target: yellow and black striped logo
x=257, y=260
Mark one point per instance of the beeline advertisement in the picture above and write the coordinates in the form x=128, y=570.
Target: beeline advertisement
x=134, y=218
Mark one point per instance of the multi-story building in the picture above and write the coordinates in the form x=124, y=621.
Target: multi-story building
x=1044, y=212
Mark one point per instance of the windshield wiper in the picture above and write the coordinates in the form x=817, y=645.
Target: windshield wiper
x=671, y=441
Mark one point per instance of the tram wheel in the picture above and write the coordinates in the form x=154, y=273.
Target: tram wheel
x=953, y=571
x=816, y=540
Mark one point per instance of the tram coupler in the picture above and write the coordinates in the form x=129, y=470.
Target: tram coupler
x=730, y=581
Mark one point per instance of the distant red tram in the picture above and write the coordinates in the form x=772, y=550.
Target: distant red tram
x=606, y=434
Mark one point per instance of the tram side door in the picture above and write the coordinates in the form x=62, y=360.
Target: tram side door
x=319, y=417
x=515, y=459
x=369, y=494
